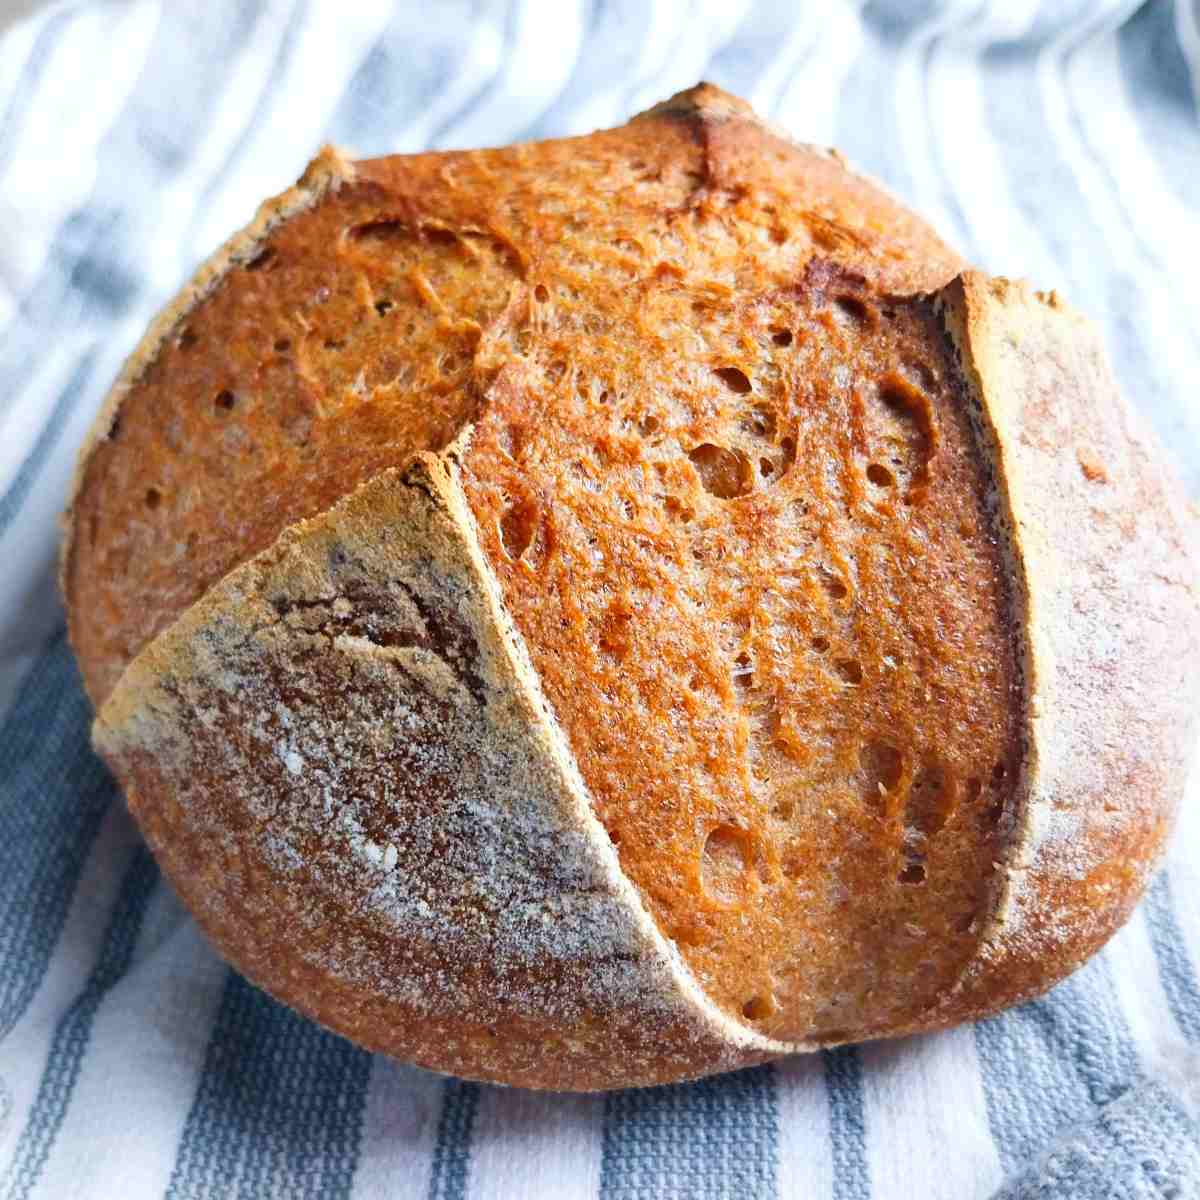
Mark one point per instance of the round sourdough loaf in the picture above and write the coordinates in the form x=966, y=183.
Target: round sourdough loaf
x=616, y=609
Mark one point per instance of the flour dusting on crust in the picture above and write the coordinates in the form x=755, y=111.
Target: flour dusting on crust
x=351, y=777
x=1108, y=608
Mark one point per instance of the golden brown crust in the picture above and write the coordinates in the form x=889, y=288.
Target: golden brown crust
x=759, y=584
x=687, y=412
x=325, y=173
x=406, y=852
x=311, y=353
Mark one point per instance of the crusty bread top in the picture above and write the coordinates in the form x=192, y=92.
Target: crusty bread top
x=357, y=319
x=745, y=539
x=766, y=524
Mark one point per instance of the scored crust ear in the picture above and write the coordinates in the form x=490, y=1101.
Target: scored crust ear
x=1106, y=604
x=343, y=761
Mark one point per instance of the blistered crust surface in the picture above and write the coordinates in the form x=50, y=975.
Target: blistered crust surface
x=339, y=765
x=755, y=571
x=314, y=352
x=1110, y=610
x=100, y=640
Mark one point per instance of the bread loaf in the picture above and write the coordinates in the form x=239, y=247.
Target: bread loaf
x=611, y=610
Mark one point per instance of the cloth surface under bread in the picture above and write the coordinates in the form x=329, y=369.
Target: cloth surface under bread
x=1058, y=140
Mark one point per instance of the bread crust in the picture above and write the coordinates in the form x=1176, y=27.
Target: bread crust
x=1079, y=851
x=325, y=174
x=344, y=759
x=468, y=912
x=696, y=150
x=1107, y=601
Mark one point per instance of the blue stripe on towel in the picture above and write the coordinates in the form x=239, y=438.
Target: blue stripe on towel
x=1051, y=1062
x=279, y=1107
x=14, y=497
x=700, y=1141
x=443, y=134
x=86, y=276
x=410, y=62
x=847, y=1123
x=1159, y=89
x=452, y=1150
x=73, y=1033
x=56, y=792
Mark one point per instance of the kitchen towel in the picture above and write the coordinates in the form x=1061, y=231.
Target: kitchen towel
x=1057, y=139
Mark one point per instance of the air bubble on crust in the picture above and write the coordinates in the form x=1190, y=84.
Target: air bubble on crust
x=760, y=422
x=856, y=310
x=881, y=767
x=723, y=473
x=850, y=670
x=921, y=372
x=833, y=585
x=927, y=808
x=904, y=430
x=759, y=1007
x=734, y=378
x=725, y=863
x=517, y=528
x=265, y=260
x=384, y=229
x=677, y=509
x=929, y=800
x=743, y=671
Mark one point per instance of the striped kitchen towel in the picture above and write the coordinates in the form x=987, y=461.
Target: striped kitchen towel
x=1057, y=139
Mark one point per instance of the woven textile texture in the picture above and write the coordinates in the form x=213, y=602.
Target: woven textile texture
x=1056, y=139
